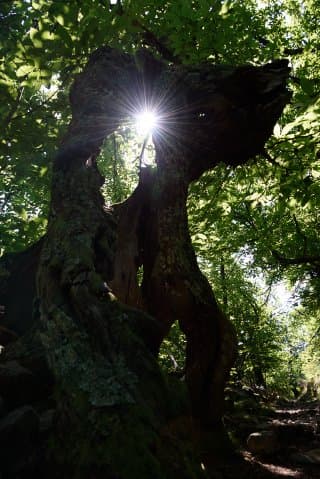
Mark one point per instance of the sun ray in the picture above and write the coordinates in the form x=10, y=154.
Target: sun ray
x=146, y=121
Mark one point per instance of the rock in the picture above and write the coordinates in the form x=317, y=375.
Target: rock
x=294, y=433
x=7, y=336
x=19, y=432
x=20, y=385
x=263, y=442
x=18, y=427
x=46, y=421
x=17, y=384
x=29, y=352
x=309, y=457
x=229, y=404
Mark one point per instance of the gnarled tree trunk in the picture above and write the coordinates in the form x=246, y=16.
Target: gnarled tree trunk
x=100, y=331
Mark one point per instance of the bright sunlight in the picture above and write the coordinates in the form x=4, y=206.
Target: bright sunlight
x=146, y=121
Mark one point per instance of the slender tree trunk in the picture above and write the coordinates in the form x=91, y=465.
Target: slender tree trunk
x=223, y=284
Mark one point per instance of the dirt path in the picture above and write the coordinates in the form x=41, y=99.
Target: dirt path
x=295, y=453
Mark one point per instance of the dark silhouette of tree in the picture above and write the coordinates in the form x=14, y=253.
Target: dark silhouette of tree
x=99, y=330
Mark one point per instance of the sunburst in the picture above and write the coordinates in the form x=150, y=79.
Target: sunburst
x=146, y=122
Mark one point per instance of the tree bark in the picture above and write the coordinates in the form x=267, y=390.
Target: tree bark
x=101, y=332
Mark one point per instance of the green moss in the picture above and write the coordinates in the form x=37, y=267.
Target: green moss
x=115, y=411
x=80, y=369
x=127, y=441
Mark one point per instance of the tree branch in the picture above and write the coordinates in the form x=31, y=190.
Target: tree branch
x=13, y=109
x=305, y=259
x=152, y=41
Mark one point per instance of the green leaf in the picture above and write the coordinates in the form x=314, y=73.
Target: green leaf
x=307, y=85
x=64, y=35
x=24, y=70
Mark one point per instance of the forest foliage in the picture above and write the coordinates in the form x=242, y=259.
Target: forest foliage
x=254, y=227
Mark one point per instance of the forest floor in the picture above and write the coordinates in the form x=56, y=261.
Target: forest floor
x=285, y=441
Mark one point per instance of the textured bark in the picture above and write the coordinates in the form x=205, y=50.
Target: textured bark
x=101, y=332
x=174, y=289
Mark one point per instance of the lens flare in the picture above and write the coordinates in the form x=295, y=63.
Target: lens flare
x=146, y=122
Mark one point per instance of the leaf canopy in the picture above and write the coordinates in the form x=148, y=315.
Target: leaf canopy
x=260, y=218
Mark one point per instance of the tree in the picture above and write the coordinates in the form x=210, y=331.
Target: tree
x=100, y=331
